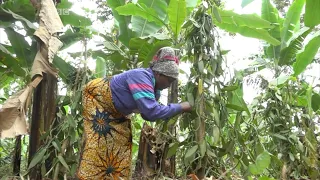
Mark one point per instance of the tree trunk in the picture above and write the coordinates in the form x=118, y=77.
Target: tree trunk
x=168, y=166
x=17, y=157
x=147, y=163
x=43, y=112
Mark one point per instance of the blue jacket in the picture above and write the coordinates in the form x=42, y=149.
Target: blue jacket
x=134, y=90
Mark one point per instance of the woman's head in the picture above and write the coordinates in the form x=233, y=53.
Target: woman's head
x=165, y=65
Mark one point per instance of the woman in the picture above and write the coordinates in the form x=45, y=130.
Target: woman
x=108, y=102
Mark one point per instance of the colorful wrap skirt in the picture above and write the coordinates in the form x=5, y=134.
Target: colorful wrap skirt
x=106, y=152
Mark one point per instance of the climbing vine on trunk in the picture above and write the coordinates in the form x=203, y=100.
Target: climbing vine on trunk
x=203, y=50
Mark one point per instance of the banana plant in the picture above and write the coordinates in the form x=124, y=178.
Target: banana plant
x=17, y=58
x=161, y=24
x=285, y=39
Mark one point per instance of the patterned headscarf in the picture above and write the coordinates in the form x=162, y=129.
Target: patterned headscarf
x=166, y=62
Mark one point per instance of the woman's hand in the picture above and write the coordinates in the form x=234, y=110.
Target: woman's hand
x=186, y=107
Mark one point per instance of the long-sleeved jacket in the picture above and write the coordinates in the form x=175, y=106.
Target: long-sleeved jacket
x=135, y=90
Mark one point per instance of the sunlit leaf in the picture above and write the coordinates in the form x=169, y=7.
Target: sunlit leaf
x=192, y=3
x=142, y=26
x=279, y=81
x=159, y=36
x=137, y=125
x=306, y=56
x=271, y=14
x=253, y=169
x=140, y=10
x=216, y=13
x=177, y=13
x=249, y=32
x=101, y=69
x=64, y=4
x=292, y=21
x=248, y=20
x=123, y=21
x=312, y=13
x=145, y=49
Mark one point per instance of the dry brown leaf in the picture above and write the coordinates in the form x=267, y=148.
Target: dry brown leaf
x=42, y=65
x=13, y=112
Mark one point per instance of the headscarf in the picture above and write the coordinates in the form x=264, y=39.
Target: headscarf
x=166, y=62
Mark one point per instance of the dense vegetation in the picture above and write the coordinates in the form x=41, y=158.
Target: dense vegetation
x=276, y=136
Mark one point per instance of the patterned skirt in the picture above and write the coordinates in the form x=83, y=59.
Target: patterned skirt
x=106, y=153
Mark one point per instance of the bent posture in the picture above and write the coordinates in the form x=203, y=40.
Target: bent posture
x=107, y=102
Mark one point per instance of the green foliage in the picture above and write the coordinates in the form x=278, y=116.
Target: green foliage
x=291, y=22
x=100, y=67
x=269, y=138
x=7, y=147
x=142, y=26
x=312, y=15
x=21, y=7
x=249, y=20
x=146, y=48
x=123, y=21
x=271, y=14
x=177, y=14
x=140, y=10
x=288, y=54
x=69, y=38
x=305, y=57
x=38, y=157
x=249, y=25
x=261, y=163
x=20, y=47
